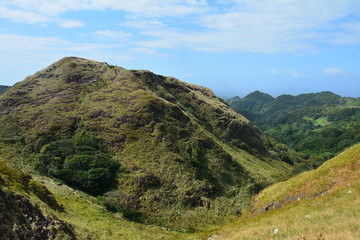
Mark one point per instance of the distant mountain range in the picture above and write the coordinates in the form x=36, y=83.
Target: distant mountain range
x=4, y=89
x=317, y=124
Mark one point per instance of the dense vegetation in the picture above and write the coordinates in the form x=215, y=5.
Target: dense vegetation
x=319, y=125
x=79, y=161
x=188, y=161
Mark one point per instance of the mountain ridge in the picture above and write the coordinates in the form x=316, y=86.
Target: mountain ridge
x=319, y=125
x=180, y=148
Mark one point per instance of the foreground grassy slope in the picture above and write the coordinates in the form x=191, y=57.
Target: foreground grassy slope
x=37, y=207
x=320, y=204
x=90, y=220
x=186, y=160
x=27, y=207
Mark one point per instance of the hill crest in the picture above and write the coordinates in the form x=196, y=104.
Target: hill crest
x=180, y=148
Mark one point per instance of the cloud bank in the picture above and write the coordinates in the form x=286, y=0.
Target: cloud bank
x=334, y=72
x=265, y=26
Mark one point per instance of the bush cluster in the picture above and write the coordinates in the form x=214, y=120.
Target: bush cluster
x=81, y=162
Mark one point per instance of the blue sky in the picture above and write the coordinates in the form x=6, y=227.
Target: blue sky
x=233, y=47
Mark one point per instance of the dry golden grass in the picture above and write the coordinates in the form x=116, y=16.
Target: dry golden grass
x=331, y=216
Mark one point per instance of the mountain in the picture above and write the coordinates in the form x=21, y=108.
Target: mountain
x=158, y=150
x=252, y=103
x=262, y=104
x=3, y=89
x=319, y=204
x=318, y=124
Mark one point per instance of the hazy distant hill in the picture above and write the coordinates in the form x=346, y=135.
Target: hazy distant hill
x=318, y=124
x=3, y=89
x=154, y=148
x=319, y=204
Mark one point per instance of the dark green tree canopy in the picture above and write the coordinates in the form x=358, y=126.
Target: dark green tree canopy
x=80, y=161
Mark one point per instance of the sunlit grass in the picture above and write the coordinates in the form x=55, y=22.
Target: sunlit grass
x=93, y=221
x=335, y=215
x=320, y=121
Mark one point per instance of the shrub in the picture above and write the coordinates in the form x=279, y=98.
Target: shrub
x=127, y=204
x=80, y=162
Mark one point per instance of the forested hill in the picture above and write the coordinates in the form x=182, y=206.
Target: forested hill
x=317, y=124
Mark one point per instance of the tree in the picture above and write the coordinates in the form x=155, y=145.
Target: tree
x=81, y=162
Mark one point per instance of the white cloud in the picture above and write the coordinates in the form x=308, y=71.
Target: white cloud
x=13, y=43
x=349, y=33
x=293, y=73
x=45, y=7
x=71, y=24
x=257, y=26
x=144, y=51
x=155, y=8
x=334, y=72
x=269, y=26
x=113, y=34
x=22, y=16
x=53, y=47
x=34, y=53
x=135, y=23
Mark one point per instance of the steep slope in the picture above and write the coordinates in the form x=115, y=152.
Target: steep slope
x=21, y=216
x=317, y=124
x=36, y=207
x=320, y=204
x=3, y=89
x=181, y=157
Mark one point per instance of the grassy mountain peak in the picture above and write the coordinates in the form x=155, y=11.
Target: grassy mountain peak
x=167, y=152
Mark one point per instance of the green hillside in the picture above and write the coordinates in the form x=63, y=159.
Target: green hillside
x=21, y=217
x=152, y=148
x=319, y=125
x=319, y=204
x=37, y=207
